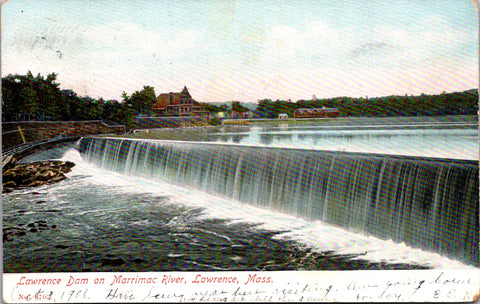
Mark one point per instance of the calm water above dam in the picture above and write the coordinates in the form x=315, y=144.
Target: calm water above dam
x=442, y=138
x=433, y=142
x=157, y=206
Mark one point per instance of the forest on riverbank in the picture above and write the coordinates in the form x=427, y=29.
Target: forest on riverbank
x=29, y=97
x=457, y=103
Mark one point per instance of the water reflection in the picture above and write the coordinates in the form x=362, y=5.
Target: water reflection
x=460, y=143
x=448, y=139
x=269, y=138
x=266, y=138
x=236, y=138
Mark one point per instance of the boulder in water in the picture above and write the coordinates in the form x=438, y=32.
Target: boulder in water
x=35, y=174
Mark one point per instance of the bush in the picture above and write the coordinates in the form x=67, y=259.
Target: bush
x=215, y=121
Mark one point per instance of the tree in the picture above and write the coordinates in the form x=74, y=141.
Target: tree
x=11, y=99
x=143, y=100
x=37, y=97
x=72, y=102
x=265, y=108
x=126, y=112
x=213, y=108
x=237, y=107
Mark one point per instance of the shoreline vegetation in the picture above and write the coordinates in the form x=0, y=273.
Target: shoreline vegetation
x=29, y=97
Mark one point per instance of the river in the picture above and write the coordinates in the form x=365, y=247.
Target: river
x=101, y=220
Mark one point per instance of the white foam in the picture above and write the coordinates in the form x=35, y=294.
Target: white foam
x=313, y=234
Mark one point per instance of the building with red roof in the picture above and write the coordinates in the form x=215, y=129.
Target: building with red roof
x=178, y=104
x=315, y=112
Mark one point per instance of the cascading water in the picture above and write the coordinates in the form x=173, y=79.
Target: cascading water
x=427, y=203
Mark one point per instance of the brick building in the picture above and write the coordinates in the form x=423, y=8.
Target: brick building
x=178, y=104
x=316, y=112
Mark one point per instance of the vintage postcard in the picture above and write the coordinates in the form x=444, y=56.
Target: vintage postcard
x=240, y=151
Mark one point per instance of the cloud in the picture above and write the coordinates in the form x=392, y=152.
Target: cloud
x=122, y=37
x=249, y=62
x=314, y=39
x=430, y=39
x=320, y=44
x=369, y=49
x=302, y=82
x=281, y=43
x=95, y=59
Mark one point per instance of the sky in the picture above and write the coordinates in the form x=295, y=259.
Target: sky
x=245, y=50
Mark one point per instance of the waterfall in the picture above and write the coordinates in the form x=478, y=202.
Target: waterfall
x=428, y=203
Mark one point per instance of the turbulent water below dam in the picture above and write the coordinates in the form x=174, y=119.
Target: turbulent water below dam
x=103, y=221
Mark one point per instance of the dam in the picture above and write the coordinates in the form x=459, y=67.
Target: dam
x=429, y=203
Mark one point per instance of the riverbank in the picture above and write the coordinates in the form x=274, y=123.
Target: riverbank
x=16, y=174
x=363, y=120
x=12, y=154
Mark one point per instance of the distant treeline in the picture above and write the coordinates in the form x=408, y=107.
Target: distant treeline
x=29, y=97
x=458, y=103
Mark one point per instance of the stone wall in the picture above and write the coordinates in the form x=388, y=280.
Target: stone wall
x=167, y=122
x=15, y=133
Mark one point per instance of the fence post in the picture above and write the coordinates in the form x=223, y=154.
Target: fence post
x=21, y=134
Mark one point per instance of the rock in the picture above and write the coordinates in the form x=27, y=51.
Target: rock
x=42, y=226
x=13, y=231
x=113, y=262
x=22, y=229
x=57, y=179
x=35, y=174
x=10, y=184
x=60, y=246
x=45, y=174
x=7, y=189
x=35, y=183
x=138, y=260
x=67, y=166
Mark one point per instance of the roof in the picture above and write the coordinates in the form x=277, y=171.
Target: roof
x=185, y=93
x=166, y=99
x=311, y=110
